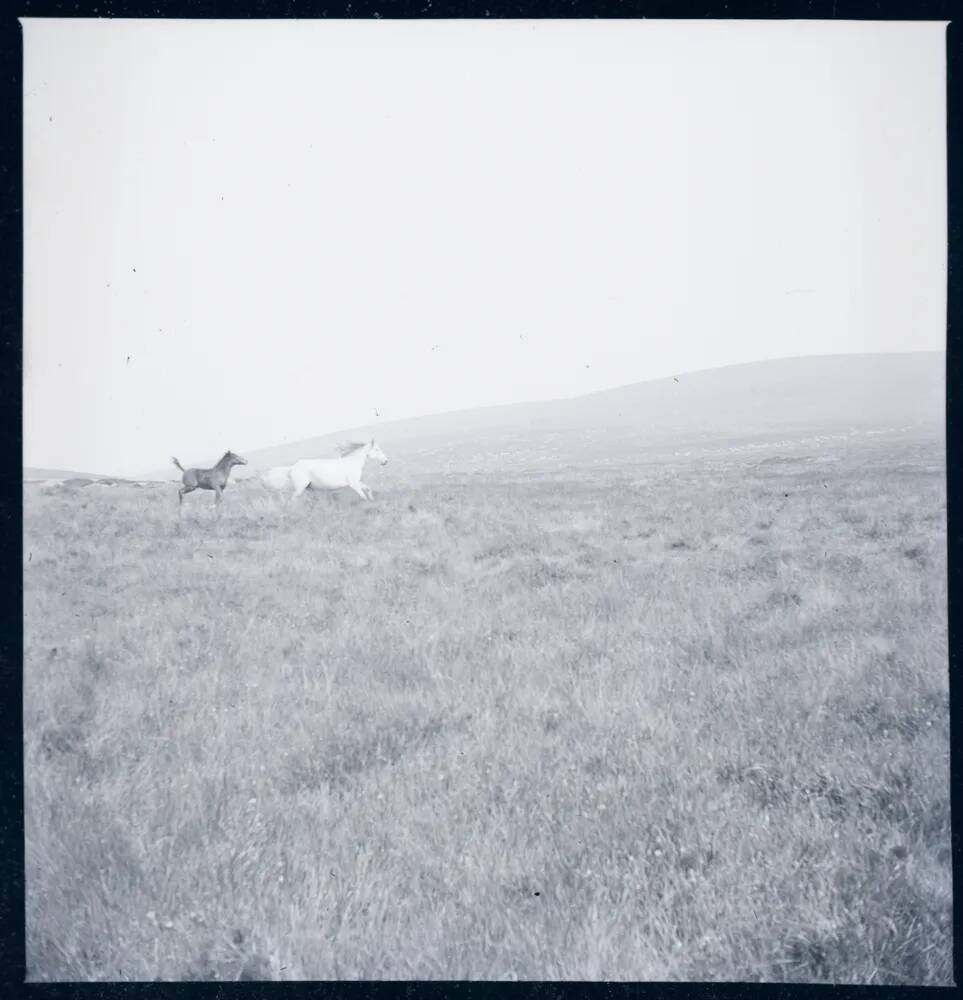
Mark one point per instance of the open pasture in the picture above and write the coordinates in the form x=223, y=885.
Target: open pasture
x=677, y=721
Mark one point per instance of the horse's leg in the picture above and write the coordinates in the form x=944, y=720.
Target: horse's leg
x=300, y=481
x=359, y=488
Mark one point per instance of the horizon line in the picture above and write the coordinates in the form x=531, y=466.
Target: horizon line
x=526, y=402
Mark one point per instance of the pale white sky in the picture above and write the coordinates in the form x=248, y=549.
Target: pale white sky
x=243, y=233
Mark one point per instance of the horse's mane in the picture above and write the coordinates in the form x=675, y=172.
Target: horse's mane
x=349, y=447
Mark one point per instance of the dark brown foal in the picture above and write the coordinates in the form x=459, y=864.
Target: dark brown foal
x=209, y=479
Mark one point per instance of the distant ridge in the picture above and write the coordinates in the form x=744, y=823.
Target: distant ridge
x=38, y=475
x=817, y=394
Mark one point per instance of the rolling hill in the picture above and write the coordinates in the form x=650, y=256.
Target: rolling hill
x=774, y=402
x=765, y=401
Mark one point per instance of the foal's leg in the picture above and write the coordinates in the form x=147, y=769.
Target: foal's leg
x=182, y=491
x=218, y=493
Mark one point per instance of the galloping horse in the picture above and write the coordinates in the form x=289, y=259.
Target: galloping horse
x=208, y=479
x=328, y=473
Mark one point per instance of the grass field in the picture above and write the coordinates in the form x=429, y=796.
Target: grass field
x=683, y=721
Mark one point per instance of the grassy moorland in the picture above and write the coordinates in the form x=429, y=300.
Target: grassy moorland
x=682, y=721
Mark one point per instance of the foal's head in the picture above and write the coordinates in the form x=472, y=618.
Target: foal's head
x=230, y=460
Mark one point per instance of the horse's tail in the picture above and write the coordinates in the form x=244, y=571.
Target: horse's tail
x=178, y=464
x=277, y=478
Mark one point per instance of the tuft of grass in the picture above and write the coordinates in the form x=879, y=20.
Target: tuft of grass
x=581, y=726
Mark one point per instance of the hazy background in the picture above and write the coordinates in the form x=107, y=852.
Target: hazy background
x=241, y=234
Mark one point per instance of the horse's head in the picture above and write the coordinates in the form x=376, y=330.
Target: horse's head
x=235, y=459
x=375, y=452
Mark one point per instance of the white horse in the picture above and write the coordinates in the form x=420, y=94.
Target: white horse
x=328, y=473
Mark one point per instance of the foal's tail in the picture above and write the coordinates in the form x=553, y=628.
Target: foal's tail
x=178, y=464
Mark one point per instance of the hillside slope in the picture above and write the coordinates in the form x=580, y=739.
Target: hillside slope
x=767, y=400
